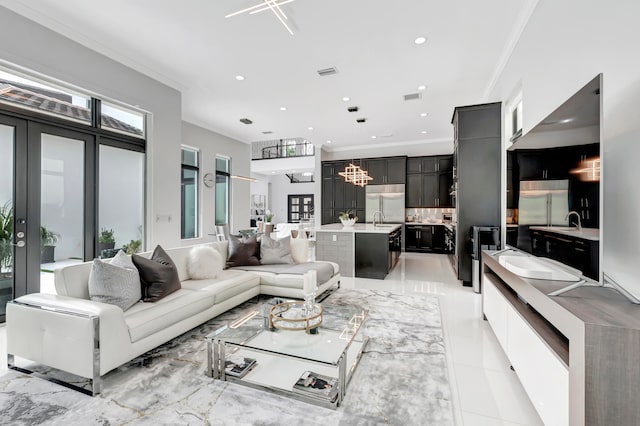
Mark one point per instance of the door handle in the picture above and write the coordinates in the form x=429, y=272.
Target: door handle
x=19, y=244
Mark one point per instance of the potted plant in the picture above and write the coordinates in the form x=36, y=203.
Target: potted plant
x=48, y=240
x=6, y=249
x=348, y=218
x=106, y=240
x=133, y=247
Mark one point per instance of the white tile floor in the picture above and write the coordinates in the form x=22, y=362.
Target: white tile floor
x=485, y=391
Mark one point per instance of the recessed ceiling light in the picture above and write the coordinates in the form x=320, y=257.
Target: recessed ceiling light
x=424, y=132
x=346, y=99
x=373, y=137
x=422, y=87
x=273, y=173
x=283, y=108
x=566, y=120
x=309, y=128
x=424, y=114
x=239, y=77
x=328, y=141
x=420, y=40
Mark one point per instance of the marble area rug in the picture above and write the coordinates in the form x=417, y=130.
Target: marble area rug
x=401, y=380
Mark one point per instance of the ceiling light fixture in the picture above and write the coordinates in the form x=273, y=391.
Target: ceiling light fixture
x=346, y=99
x=373, y=137
x=355, y=175
x=328, y=141
x=272, y=5
x=309, y=128
x=424, y=114
x=283, y=108
x=424, y=132
x=249, y=179
x=420, y=40
x=422, y=87
x=239, y=77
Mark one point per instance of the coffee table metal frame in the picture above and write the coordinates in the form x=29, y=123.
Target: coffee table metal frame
x=247, y=337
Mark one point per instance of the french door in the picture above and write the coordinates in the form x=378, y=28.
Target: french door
x=47, y=202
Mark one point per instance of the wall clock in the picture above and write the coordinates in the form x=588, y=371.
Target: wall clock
x=209, y=180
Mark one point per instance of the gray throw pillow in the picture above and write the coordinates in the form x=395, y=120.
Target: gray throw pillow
x=114, y=284
x=275, y=251
x=159, y=275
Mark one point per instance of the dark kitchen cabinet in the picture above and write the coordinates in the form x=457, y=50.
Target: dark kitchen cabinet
x=477, y=147
x=425, y=238
x=429, y=181
x=376, y=254
x=576, y=252
x=385, y=171
x=338, y=195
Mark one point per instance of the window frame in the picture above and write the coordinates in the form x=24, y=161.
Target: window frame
x=228, y=197
x=196, y=183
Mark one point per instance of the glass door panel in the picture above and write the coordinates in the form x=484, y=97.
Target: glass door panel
x=121, y=201
x=7, y=137
x=62, y=204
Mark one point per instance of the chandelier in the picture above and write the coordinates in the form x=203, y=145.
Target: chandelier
x=272, y=5
x=355, y=175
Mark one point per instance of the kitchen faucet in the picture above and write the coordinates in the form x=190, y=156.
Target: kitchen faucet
x=381, y=217
x=572, y=212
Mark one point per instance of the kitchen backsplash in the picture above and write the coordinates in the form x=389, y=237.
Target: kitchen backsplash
x=427, y=213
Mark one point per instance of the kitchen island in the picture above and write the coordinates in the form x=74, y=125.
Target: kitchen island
x=362, y=250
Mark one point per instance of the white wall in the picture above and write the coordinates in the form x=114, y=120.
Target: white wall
x=564, y=45
x=281, y=188
x=36, y=48
x=411, y=150
x=210, y=145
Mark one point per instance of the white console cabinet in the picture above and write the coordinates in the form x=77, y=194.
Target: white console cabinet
x=543, y=375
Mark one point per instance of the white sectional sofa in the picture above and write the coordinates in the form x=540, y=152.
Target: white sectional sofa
x=70, y=332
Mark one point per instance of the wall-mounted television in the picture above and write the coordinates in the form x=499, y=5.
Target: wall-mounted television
x=554, y=185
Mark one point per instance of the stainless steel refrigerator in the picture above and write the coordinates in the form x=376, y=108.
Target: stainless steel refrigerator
x=541, y=203
x=389, y=199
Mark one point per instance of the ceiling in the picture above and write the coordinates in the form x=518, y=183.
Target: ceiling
x=190, y=46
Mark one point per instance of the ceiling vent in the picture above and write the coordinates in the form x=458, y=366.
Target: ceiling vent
x=412, y=96
x=245, y=121
x=268, y=132
x=327, y=71
x=353, y=109
x=361, y=120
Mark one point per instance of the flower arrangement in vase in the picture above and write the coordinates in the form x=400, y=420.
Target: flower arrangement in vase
x=348, y=218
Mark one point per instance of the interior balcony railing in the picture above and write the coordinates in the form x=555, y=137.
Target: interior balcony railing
x=283, y=148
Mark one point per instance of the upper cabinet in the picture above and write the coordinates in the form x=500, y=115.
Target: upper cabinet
x=338, y=195
x=392, y=170
x=429, y=181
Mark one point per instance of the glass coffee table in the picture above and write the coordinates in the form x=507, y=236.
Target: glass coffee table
x=332, y=350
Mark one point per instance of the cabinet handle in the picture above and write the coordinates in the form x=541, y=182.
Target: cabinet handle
x=581, y=202
x=586, y=202
x=579, y=249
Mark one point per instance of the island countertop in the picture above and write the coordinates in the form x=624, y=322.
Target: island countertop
x=592, y=234
x=386, y=228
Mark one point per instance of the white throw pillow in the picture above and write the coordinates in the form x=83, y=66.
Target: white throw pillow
x=299, y=250
x=115, y=284
x=204, y=262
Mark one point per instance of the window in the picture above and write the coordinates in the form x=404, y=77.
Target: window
x=223, y=183
x=121, y=120
x=189, y=196
x=44, y=98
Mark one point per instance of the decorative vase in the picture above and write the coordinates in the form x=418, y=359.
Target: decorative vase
x=348, y=222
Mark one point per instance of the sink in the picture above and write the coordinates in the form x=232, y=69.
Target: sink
x=537, y=268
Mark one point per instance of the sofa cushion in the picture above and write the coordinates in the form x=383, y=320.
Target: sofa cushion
x=145, y=319
x=227, y=284
x=300, y=250
x=291, y=275
x=117, y=282
x=242, y=251
x=274, y=252
x=158, y=275
x=204, y=262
